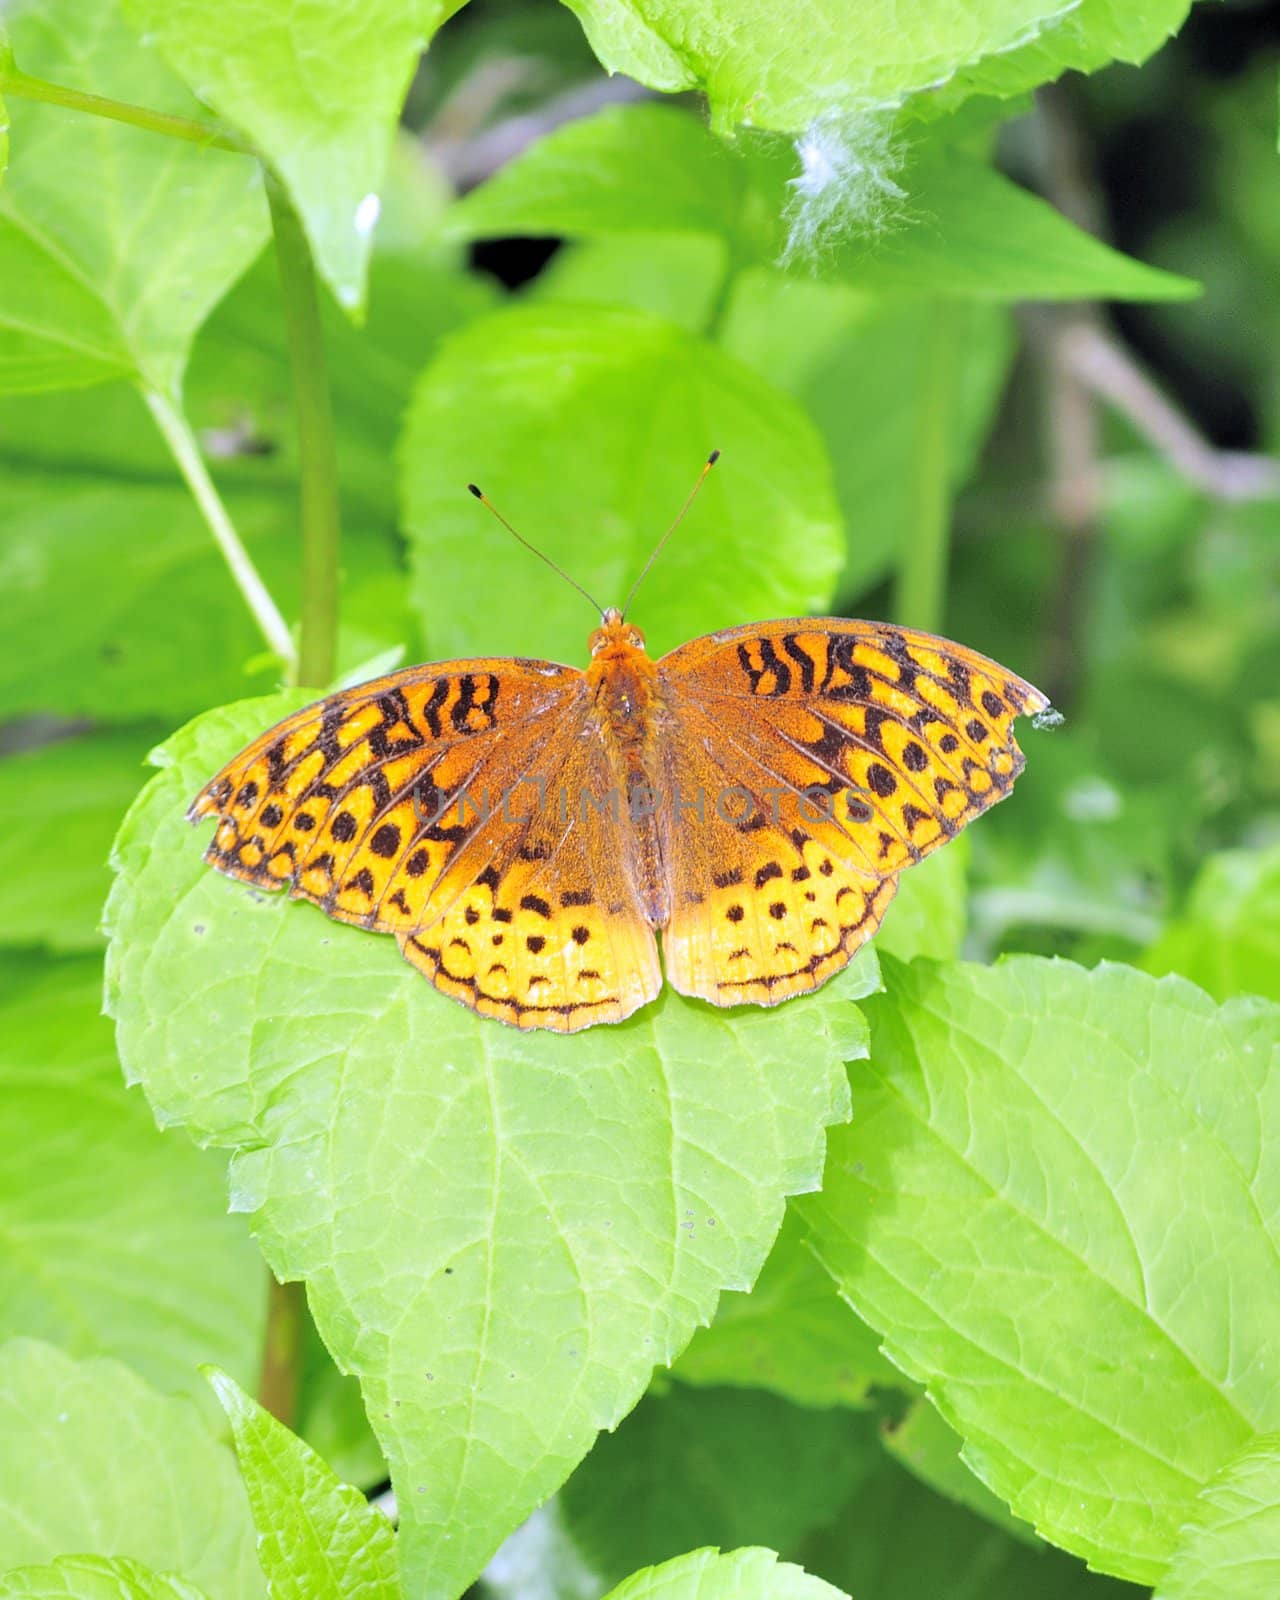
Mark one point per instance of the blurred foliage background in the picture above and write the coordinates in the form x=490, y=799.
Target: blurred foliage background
x=1114, y=536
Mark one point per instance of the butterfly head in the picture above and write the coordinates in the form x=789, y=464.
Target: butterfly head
x=615, y=636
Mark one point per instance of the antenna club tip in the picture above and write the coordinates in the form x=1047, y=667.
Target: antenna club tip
x=713, y=458
x=471, y=489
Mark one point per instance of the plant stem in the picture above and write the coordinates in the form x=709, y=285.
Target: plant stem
x=317, y=450
x=919, y=594
x=186, y=452
x=282, y=1350
x=23, y=87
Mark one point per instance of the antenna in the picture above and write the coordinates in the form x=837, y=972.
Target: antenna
x=489, y=505
x=657, y=549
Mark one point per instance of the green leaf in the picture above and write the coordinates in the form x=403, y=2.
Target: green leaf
x=627, y=170
x=673, y=275
x=239, y=392
x=94, y=1578
x=927, y=1447
x=960, y=232
x=1079, y=38
x=115, y=243
x=819, y=341
x=791, y=1333
x=740, y=1575
x=501, y=1233
x=98, y=1463
x=587, y=428
x=1230, y=1549
x=819, y=60
x=927, y=915
x=117, y=1238
x=317, y=1537
x=1228, y=938
x=71, y=796
x=898, y=1540
x=967, y=232
x=114, y=601
x=1054, y=1180
x=332, y=1420
x=712, y=1467
x=317, y=90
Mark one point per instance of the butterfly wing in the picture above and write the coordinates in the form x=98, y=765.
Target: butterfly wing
x=432, y=804
x=861, y=747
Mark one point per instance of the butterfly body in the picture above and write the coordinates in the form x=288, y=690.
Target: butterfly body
x=524, y=829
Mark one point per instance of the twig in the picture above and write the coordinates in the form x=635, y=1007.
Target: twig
x=1075, y=488
x=1103, y=365
x=467, y=162
x=186, y=452
x=1075, y=498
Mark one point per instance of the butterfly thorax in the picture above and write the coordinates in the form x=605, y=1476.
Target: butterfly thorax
x=628, y=703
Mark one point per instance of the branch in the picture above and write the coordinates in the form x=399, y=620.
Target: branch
x=468, y=161
x=1103, y=365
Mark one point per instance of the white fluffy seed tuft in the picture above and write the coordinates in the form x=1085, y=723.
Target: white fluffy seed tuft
x=846, y=183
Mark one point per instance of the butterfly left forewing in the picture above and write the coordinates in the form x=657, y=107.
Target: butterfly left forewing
x=873, y=745
x=418, y=805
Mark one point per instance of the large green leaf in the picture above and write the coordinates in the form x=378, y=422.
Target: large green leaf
x=631, y=169
x=967, y=232
x=1054, y=1180
x=587, y=428
x=739, y=1575
x=97, y=1463
x=53, y=868
x=318, y=89
x=318, y=1538
x=821, y=341
x=1080, y=38
x=239, y=392
x=115, y=243
x=812, y=60
x=117, y=1238
x=960, y=230
x=927, y=1447
x=501, y=1233
x=1230, y=1549
x=115, y=602
x=898, y=1540
x=673, y=275
x=792, y=1334
x=1228, y=937
x=94, y=1578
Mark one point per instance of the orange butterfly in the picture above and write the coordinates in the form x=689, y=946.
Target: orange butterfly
x=524, y=829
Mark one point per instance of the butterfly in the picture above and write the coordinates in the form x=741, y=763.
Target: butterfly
x=525, y=829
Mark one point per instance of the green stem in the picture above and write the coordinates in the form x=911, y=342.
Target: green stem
x=317, y=449
x=920, y=589
x=186, y=452
x=24, y=87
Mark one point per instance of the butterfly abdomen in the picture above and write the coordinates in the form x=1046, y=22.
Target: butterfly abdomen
x=629, y=708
